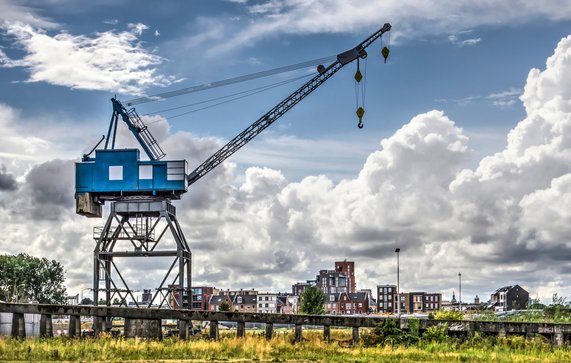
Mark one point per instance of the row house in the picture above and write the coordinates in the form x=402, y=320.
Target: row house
x=287, y=304
x=421, y=302
x=244, y=303
x=511, y=297
x=215, y=301
x=345, y=303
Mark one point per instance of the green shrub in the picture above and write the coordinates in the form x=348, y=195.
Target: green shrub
x=413, y=326
x=436, y=333
x=448, y=315
x=387, y=333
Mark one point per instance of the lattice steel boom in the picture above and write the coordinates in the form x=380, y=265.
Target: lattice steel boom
x=284, y=106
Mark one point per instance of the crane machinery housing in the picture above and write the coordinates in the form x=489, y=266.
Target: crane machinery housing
x=141, y=191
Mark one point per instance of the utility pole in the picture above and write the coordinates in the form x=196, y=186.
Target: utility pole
x=398, y=282
x=459, y=292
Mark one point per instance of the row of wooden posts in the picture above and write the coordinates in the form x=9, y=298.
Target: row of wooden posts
x=147, y=323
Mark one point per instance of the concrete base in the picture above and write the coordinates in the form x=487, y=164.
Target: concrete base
x=143, y=328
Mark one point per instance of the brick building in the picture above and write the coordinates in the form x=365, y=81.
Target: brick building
x=347, y=268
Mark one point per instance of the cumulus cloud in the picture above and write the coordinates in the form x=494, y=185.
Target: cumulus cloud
x=7, y=180
x=110, y=61
x=505, y=221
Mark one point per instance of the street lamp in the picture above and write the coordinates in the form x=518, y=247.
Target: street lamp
x=397, y=251
x=460, y=291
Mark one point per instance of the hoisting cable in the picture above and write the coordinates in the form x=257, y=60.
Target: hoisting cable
x=385, y=51
x=241, y=95
x=263, y=88
x=229, y=81
x=360, y=92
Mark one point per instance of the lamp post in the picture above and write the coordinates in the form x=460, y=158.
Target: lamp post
x=397, y=251
x=459, y=292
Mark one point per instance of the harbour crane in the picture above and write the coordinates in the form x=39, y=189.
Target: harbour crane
x=141, y=191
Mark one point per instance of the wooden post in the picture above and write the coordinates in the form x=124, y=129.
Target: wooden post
x=297, y=333
x=183, y=329
x=241, y=329
x=558, y=339
x=214, y=330
x=74, y=329
x=269, y=330
x=18, y=326
x=355, y=335
x=502, y=331
x=327, y=333
x=97, y=325
x=46, y=327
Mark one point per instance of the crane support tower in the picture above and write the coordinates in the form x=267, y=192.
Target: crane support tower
x=140, y=193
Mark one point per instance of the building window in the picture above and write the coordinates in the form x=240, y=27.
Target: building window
x=116, y=172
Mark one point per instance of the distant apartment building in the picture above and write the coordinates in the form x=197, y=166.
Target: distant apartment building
x=347, y=268
x=411, y=302
x=386, y=299
x=200, y=295
x=332, y=281
x=507, y=298
x=299, y=287
x=421, y=302
x=267, y=303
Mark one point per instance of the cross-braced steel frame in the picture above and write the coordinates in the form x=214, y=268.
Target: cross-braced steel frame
x=140, y=224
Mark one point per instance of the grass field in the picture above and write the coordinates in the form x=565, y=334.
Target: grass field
x=281, y=348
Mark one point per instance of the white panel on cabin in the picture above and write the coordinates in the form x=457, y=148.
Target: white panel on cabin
x=145, y=172
x=116, y=172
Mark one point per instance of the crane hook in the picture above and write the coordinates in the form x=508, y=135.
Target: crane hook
x=360, y=112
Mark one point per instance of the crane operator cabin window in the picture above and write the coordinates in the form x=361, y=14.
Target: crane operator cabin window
x=116, y=172
x=145, y=172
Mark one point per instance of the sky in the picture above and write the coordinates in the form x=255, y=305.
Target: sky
x=464, y=161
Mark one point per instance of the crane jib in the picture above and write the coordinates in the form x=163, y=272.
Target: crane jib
x=280, y=109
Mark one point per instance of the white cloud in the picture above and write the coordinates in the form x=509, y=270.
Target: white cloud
x=12, y=12
x=410, y=18
x=505, y=221
x=137, y=28
x=454, y=39
x=107, y=61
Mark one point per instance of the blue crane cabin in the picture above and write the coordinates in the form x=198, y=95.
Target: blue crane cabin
x=116, y=173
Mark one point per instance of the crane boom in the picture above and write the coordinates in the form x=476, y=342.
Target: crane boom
x=284, y=106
